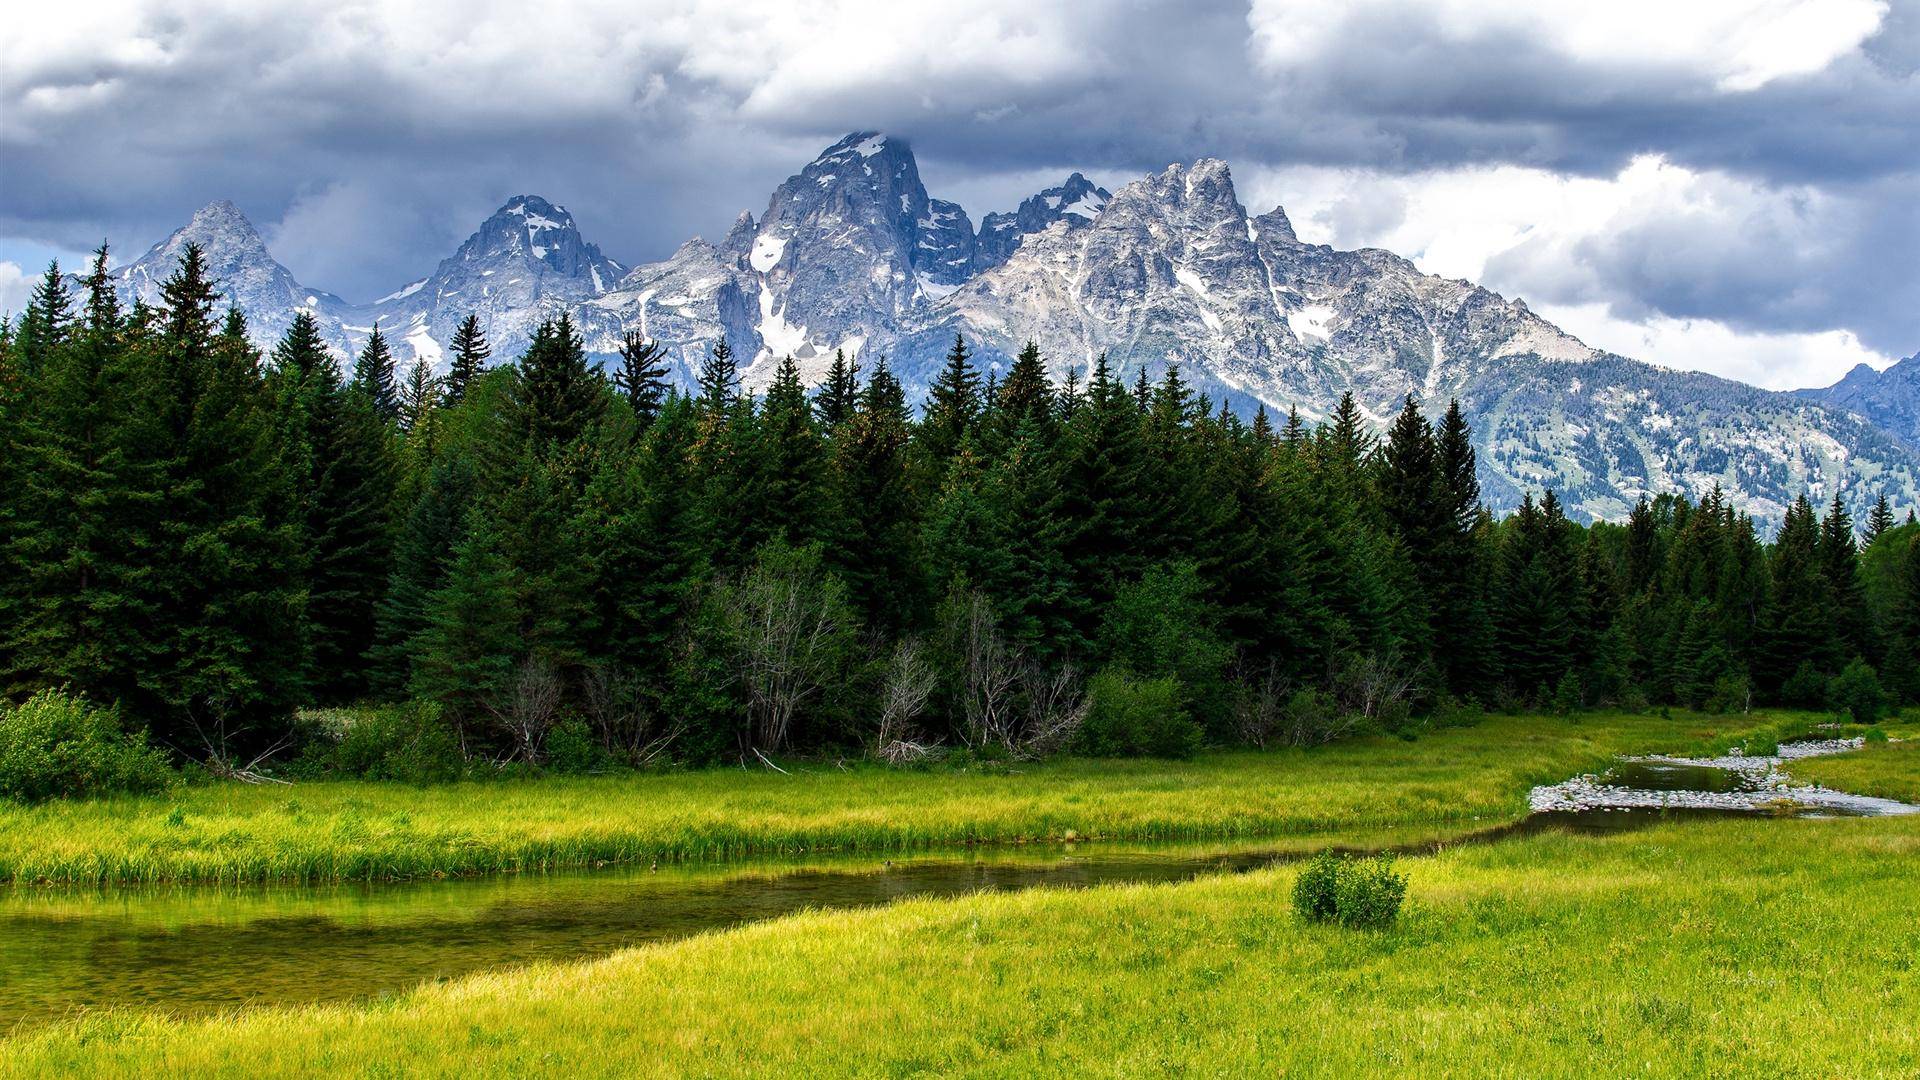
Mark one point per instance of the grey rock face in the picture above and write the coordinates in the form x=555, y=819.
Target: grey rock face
x=1076, y=202
x=243, y=270
x=852, y=254
x=526, y=263
x=1890, y=398
x=1172, y=270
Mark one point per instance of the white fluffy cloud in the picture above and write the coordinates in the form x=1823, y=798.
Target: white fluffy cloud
x=16, y=286
x=1684, y=267
x=1736, y=45
x=1693, y=168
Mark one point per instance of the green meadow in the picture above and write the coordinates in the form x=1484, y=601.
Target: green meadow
x=229, y=832
x=1701, y=948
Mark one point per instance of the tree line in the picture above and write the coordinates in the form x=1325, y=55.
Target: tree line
x=211, y=539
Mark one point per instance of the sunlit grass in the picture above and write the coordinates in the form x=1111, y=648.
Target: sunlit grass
x=228, y=832
x=1702, y=948
x=1889, y=770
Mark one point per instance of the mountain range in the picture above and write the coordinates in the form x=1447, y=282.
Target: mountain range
x=853, y=254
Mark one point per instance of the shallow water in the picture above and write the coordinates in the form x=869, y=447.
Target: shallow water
x=198, y=949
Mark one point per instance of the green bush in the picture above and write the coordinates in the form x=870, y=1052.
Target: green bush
x=1134, y=717
x=1874, y=735
x=58, y=745
x=1356, y=893
x=571, y=748
x=1566, y=695
x=1316, y=890
x=1806, y=688
x=1857, y=690
x=410, y=743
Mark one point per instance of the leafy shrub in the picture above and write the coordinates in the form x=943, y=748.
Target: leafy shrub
x=1857, y=690
x=1806, y=688
x=1452, y=712
x=1134, y=717
x=571, y=748
x=1356, y=893
x=1730, y=694
x=58, y=745
x=1875, y=735
x=1566, y=695
x=1369, y=894
x=411, y=743
x=1312, y=718
x=1316, y=891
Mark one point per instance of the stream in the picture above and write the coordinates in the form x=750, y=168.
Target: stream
x=190, y=950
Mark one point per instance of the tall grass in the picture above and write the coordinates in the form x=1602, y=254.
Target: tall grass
x=1707, y=948
x=233, y=833
x=1888, y=770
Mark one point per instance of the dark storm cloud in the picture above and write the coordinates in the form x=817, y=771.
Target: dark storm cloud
x=367, y=142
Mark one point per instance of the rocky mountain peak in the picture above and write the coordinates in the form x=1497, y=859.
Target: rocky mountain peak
x=1077, y=202
x=1275, y=225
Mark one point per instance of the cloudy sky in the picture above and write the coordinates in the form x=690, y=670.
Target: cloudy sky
x=1731, y=185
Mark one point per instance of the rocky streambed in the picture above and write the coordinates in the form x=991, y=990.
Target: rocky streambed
x=1753, y=783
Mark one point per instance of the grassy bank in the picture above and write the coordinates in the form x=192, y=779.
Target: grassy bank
x=1889, y=770
x=327, y=831
x=1749, y=947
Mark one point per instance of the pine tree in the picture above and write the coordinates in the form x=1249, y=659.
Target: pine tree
x=232, y=657
x=373, y=376
x=470, y=352
x=839, y=396
x=1879, y=520
x=558, y=397
x=642, y=375
x=345, y=491
x=1026, y=397
x=73, y=506
x=1840, y=564
x=880, y=556
x=719, y=380
x=464, y=658
x=418, y=397
x=794, y=461
x=953, y=406
x=431, y=531
x=47, y=323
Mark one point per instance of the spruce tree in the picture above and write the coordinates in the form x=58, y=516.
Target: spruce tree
x=231, y=659
x=47, y=323
x=879, y=554
x=465, y=656
x=558, y=397
x=373, y=376
x=470, y=352
x=719, y=380
x=645, y=537
x=794, y=462
x=641, y=377
x=345, y=490
x=419, y=395
x=431, y=531
x=839, y=396
x=1799, y=621
x=1879, y=520
x=1026, y=397
x=1840, y=564
x=953, y=405
x=73, y=506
